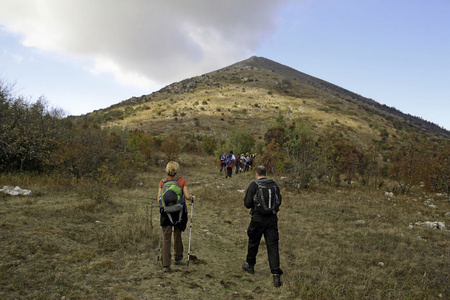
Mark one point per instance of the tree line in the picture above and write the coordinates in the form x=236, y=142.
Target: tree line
x=36, y=138
x=330, y=157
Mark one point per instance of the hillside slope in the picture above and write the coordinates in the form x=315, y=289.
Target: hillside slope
x=251, y=94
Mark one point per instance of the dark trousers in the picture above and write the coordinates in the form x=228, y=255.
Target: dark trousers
x=267, y=226
x=229, y=171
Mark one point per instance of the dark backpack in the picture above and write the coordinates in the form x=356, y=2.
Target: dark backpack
x=171, y=199
x=266, y=200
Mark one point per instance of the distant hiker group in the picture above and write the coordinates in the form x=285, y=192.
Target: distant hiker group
x=240, y=163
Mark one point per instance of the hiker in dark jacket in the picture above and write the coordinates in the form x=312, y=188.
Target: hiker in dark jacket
x=262, y=224
x=237, y=164
x=171, y=221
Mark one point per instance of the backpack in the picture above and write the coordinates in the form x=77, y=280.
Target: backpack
x=223, y=157
x=229, y=159
x=171, y=199
x=266, y=200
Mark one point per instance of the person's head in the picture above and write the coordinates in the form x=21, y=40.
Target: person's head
x=261, y=171
x=172, y=168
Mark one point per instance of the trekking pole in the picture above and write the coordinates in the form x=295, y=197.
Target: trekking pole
x=159, y=250
x=160, y=233
x=190, y=229
x=151, y=213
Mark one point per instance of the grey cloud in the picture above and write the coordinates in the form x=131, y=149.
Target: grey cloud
x=162, y=41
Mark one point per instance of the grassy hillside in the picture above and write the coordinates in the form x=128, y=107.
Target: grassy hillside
x=350, y=243
x=252, y=94
x=258, y=89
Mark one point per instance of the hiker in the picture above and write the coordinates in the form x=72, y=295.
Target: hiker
x=250, y=161
x=230, y=160
x=263, y=222
x=223, y=161
x=237, y=163
x=247, y=162
x=243, y=163
x=176, y=220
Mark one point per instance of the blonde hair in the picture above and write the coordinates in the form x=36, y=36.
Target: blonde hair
x=172, y=168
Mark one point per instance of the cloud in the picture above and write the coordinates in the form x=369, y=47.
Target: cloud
x=145, y=42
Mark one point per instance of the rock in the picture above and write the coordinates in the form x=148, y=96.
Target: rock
x=434, y=225
x=15, y=191
x=429, y=204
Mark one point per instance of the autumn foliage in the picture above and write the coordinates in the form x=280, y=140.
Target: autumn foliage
x=35, y=138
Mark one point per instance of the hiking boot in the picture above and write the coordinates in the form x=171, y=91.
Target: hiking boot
x=166, y=269
x=179, y=262
x=249, y=268
x=276, y=280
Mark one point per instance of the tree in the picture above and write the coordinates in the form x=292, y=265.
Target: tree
x=339, y=158
x=270, y=157
x=140, y=146
x=28, y=132
x=368, y=167
x=276, y=134
x=436, y=170
x=441, y=172
x=239, y=141
x=171, y=147
x=300, y=149
x=404, y=167
x=85, y=151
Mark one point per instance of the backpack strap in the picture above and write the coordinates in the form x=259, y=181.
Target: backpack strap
x=180, y=214
x=174, y=179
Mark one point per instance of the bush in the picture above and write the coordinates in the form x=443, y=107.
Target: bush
x=171, y=148
x=209, y=145
x=239, y=142
x=28, y=132
x=141, y=146
x=270, y=157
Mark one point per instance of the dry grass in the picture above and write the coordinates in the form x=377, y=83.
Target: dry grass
x=350, y=243
x=219, y=110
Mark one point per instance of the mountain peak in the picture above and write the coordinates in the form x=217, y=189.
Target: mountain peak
x=262, y=63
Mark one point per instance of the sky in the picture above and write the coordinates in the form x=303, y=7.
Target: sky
x=86, y=55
